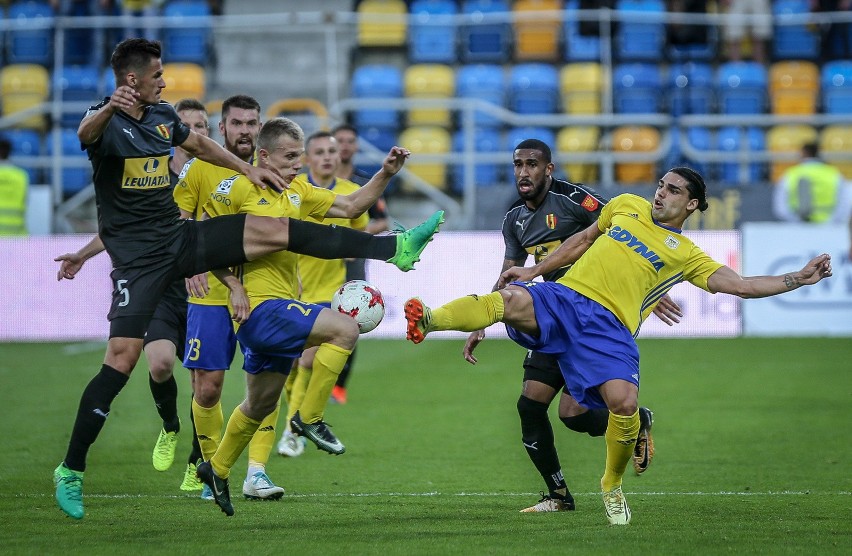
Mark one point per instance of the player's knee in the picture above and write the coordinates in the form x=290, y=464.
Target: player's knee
x=531, y=409
x=208, y=390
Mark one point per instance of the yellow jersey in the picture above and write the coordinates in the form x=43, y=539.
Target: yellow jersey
x=636, y=262
x=273, y=276
x=321, y=277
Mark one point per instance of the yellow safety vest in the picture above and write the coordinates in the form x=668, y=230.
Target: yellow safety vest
x=13, y=200
x=812, y=189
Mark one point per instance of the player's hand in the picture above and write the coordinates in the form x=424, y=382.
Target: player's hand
x=240, y=308
x=70, y=265
x=263, y=177
x=123, y=98
x=472, y=341
x=515, y=274
x=816, y=269
x=394, y=160
x=197, y=286
x=668, y=311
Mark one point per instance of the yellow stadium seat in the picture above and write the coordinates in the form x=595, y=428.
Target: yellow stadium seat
x=537, y=39
x=388, y=32
x=183, y=81
x=309, y=113
x=635, y=139
x=787, y=138
x=580, y=87
x=837, y=139
x=422, y=140
x=793, y=87
x=579, y=139
x=24, y=86
x=424, y=81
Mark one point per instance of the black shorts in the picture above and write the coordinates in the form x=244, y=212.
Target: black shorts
x=543, y=368
x=356, y=269
x=197, y=248
x=169, y=320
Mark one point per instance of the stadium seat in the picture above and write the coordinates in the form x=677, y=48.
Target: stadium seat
x=836, y=81
x=635, y=139
x=383, y=139
x=77, y=84
x=309, y=113
x=79, y=43
x=74, y=178
x=485, y=82
x=690, y=88
x=485, y=140
x=382, y=33
x=24, y=86
x=741, y=88
x=736, y=140
x=31, y=46
x=427, y=140
x=793, y=87
x=376, y=81
x=537, y=39
x=517, y=134
x=107, y=82
x=25, y=142
x=183, y=80
x=429, y=81
x=578, y=48
x=787, y=138
x=580, y=87
x=793, y=42
x=637, y=89
x=579, y=139
x=640, y=40
x=534, y=89
x=698, y=138
x=432, y=35
x=189, y=42
x=837, y=139
x=484, y=40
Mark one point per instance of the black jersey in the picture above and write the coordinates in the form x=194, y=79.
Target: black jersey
x=137, y=215
x=567, y=208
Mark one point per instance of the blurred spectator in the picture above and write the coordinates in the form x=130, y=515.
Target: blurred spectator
x=836, y=43
x=680, y=34
x=812, y=191
x=756, y=15
x=14, y=184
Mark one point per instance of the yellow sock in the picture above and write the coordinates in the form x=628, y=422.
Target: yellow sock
x=261, y=443
x=621, y=432
x=208, y=427
x=238, y=433
x=288, y=386
x=328, y=362
x=299, y=387
x=469, y=313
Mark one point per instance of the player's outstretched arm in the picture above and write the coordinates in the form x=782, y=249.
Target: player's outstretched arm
x=358, y=202
x=71, y=263
x=725, y=280
x=668, y=311
x=208, y=150
x=95, y=122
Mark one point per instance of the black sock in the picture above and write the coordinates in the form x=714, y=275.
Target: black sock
x=92, y=413
x=537, y=435
x=593, y=422
x=195, y=454
x=344, y=374
x=337, y=242
x=165, y=398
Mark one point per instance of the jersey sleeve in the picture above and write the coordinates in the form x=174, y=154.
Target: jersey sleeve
x=180, y=131
x=605, y=218
x=315, y=200
x=514, y=250
x=186, y=190
x=699, y=267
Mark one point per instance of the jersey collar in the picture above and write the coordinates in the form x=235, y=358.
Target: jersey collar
x=311, y=181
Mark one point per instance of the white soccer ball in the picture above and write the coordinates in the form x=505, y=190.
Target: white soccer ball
x=362, y=301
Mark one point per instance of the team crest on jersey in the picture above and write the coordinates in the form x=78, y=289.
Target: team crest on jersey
x=550, y=219
x=590, y=203
x=295, y=199
x=164, y=131
x=225, y=185
x=672, y=243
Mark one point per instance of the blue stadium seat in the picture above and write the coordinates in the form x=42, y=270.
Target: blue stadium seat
x=107, y=82
x=383, y=139
x=578, y=48
x=188, y=43
x=74, y=178
x=80, y=43
x=742, y=88
x=485, y=82
x=836, y=80
x=637, y=89
x=793, y=42
x=25, y=142
x=644, y=40
x=690, y=88
x=699, y=138
x=534, y=89
x=484, y=42
x=32, y=46
x=77, y=84
x=736, y=139
x=517, y=134
x=432, y=33
x=485, y=175
x=377, y=81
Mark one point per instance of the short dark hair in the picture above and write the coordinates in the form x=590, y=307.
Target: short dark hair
x=810, y=149
x=344, y=127
x=272, y=131
x=536, y=145
x=245, y=102
x=694, y=184
x=133, y=54
x=5, y=148
x=317, y=135
x=189, y=104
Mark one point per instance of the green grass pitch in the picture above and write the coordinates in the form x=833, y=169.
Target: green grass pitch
x=752, y=439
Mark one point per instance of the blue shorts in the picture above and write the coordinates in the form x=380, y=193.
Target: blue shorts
x=275, y=334
x=210, y=339
x=591, y=344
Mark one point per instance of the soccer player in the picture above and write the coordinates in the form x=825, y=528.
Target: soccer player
x=547, y=212
x=275, y=327
x=211, y=339
x=128, y=137
x=319, y=278
x=622, y=265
